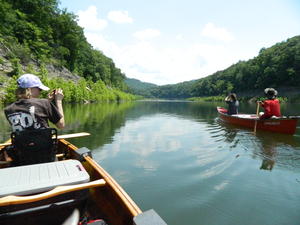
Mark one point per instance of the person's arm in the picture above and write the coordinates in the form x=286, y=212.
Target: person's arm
x=228, y=99
x=61, y=123
x=261, y=103
x=57, y=96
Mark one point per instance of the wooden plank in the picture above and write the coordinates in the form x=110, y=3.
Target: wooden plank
x=14, y=200
x=63, y=136
x=66, y=136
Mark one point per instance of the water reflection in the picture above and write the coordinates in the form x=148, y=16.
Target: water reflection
x=271, y=148
x=105, y=120
x=172, y=124
x=278, y=149
x=101, y=120
x=180, y=153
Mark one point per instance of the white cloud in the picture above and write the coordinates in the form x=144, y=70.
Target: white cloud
x=119, y=17
x=165, y=65
x=88, y=19
x=218, y=33
x=179, y=37
x=146, y=34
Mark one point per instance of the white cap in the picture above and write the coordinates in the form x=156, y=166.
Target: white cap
x=29, y=81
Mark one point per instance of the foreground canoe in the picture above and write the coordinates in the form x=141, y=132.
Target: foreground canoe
x=279, y=125
x=28, y=194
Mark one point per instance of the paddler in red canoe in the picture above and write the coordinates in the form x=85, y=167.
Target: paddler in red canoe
x=271, y=105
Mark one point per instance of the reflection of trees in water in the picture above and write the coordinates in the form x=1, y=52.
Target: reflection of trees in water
x=191, y=110
x=101, y=120
x=104, y=119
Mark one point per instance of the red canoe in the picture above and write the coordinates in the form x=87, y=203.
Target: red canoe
x=280, y=124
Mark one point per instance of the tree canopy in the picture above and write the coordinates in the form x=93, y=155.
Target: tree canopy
x=39, y=30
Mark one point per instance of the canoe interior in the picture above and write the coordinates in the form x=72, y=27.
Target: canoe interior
x=109, y=202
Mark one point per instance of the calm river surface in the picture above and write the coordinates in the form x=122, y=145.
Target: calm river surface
x=181, y=160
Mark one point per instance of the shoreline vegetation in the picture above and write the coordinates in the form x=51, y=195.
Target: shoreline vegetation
x=81, y=91
x=242, y=99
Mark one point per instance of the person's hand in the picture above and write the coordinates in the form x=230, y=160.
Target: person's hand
x=56, y=95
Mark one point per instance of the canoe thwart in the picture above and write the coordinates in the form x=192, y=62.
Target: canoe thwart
x=63, y=136
x=14, y=200
x=66, y=136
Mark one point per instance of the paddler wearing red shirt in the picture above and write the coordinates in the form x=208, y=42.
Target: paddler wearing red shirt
x=271, y=105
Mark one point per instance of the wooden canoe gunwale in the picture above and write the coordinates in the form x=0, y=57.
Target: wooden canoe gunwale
x=110, y=182
x=279, y=125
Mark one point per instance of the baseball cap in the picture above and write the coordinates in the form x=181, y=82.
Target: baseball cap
x=29, y=81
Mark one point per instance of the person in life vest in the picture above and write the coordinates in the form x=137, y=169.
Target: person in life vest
x=233, y=104
x=271, y=105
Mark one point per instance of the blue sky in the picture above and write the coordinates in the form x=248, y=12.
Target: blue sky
x=171, y=41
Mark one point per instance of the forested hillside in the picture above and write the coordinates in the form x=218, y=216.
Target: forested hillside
x=277, y=66
x=37, y=30
x=140, y=88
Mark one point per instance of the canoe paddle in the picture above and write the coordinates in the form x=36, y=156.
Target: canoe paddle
x=255, y=124
x=64, y=136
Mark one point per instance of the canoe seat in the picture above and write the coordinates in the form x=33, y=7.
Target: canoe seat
x=32, y=179
x=38, y=179
x=33, y=146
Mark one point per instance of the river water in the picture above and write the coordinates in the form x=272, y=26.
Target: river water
x=181, y=160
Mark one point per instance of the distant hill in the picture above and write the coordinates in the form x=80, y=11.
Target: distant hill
x=140, y=88
x=277, y=66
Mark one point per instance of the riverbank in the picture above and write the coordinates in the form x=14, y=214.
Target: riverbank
x=285, y=95
x=74, y=91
